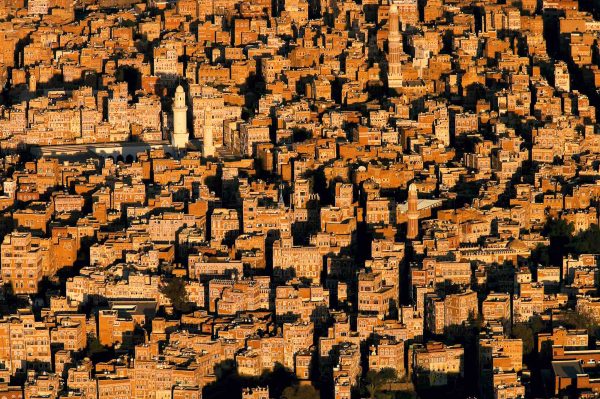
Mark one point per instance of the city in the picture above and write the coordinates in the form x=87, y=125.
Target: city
x=295, y=199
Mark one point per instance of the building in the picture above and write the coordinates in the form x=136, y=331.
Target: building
x=435, y=364
x=451, y=310
x=24, y=261
x=388, y=353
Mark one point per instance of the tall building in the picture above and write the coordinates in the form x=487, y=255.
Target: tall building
x=562, y=79
x=395, y=51
x=208, y=145
x=22, y=262
x=413, y=212
x=180, y=135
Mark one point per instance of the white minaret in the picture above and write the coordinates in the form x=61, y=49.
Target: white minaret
x=208, y=146
x=180, y=136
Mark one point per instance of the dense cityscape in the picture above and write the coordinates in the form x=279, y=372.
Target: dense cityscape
x=296, y=199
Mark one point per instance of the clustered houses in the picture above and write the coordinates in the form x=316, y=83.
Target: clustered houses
x=346, y=195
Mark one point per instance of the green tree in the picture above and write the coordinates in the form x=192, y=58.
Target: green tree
x=94, y=346
x=98, y=352
x=523, y=332
x=560, y=234
x=375, y=382
x=128, y=23
x=586, y=242
x=175, y=291
x=300, y=392
x=558, y=228
x=581, y=320
x=540, y=255
x=11, y=302
x=278, y=379
x=527, y=331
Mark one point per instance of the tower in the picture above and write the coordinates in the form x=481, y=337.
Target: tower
x=281, y=202
x=395, y=51
x=561, y=77
x=208, y=146
x=180, y=136
x=412, y=231
x=32, y=83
